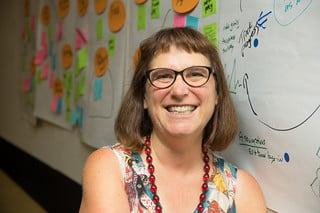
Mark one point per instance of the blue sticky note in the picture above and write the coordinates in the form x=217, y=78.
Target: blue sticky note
x=59, y=105
x=53, y=62
x=97, y=89
x=51, y=48
x=192, y=22
x=80, y=116
x=74, y=116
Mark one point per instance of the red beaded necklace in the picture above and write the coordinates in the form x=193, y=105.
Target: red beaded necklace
x=152, y=178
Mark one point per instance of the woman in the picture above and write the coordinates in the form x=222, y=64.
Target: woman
x=176, y=113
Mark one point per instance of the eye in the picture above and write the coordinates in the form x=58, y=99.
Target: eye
x=196, y=72
x=162, y=75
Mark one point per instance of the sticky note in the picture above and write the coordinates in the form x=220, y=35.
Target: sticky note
x=211, y=31
x=141, y=17
x=39, y=57
x=54, y=104
x=99, y=28
x=82, y=88
x=81, y=36
x=23, y=33
x=97, y=89
x=49, y=32
x=111, y=45
x=45, y=71
x=44, y=38
x=155, y=9
x=53, y=62
x=192, y=21
x=85, y=33
x=78, y=42
x=179, y=20
x=80, y=116
x=59, y=105
x=75, y=115
x=69, y=80
x=38, y=76
x=59, y=32
x=209, y=7
x=77, y=94
x=82, y=58
x=33, y=23
x=51, y=48
x=26, y=84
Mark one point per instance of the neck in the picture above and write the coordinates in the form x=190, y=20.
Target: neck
x=178, y=153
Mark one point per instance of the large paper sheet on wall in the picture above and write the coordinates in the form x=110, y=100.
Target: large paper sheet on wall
x=270, y=51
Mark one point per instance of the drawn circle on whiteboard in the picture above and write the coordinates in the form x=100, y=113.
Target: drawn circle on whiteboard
x=63, y=8
x=184, y=6
x=140, y=1
x=116, y=15
x=33, y=66
x=67, y=56
x=26, y=8
x=286, y=157
x=101, y=61
x=58, y=88
x=100, y=5
x=83, y=7
x=136, y=57
x=45, y=15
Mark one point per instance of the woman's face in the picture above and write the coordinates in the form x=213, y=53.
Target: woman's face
x=180, y=110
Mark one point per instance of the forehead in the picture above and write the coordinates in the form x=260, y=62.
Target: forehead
x=178, y=58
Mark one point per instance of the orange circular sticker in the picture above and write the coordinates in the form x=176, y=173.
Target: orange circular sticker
x=140, y=1
x=101, y=61
x=83, y=7
x=100, y=5
x=33, y=66
x=45, y=15
x=58, y=88
x=136, y=57
x=184, y=6
x=116, y=15
x=67, y=56
x=63, y=8
x=26, y=8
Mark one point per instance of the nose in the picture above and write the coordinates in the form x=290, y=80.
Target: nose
x=179, y=87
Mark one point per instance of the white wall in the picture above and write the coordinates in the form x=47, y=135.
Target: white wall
x=59, y=148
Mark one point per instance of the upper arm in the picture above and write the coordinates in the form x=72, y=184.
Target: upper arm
x=248, y=197
x=102, y=183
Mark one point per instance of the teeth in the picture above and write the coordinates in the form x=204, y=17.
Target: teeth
x=181, y=109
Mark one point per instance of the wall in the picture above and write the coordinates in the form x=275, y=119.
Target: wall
x=60, y=149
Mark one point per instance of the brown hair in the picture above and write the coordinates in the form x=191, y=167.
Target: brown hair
x=133, y=121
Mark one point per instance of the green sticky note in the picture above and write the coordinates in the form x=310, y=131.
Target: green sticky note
x=82, y=58
x=82, y=85
x=77, y=94
x=111, y=45
x=99, y=28
x=69, y=81
x=155, y=9
x=38, y=76
x=49, y=32
x=65, y=78
x=141, y=17
x=209, y=7
x=211, y=31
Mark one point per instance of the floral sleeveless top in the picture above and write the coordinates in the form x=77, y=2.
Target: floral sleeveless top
x=220, y=195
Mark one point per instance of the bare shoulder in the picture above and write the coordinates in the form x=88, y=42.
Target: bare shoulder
x=249, y=196
x=102, y=183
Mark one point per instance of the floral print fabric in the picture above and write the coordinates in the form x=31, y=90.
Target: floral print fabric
x=220, y=195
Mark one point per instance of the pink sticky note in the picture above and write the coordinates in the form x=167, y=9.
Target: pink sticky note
x=33, y=23
x=54, y=103
x=45, y=51
x=23, y=33
x=51, y=80
x=59, y=33
x=26, y=84
x=44, y=37
x=45, y=71
x=85, y=33
x=78, y=42
x=179, y=20
x=39, y=57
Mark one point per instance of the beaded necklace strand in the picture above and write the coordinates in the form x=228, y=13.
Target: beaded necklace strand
x=152, y=178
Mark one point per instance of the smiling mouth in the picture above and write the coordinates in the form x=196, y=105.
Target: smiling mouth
x=181, y=109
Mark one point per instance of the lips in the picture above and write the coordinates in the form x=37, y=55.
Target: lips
x=181, y=109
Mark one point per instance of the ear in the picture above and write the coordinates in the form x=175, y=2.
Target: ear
x=145, y=105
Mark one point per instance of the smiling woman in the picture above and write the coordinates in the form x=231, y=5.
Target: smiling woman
x=176, y=113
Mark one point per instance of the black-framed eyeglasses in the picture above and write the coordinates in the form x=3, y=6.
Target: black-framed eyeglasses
x=194, y=76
